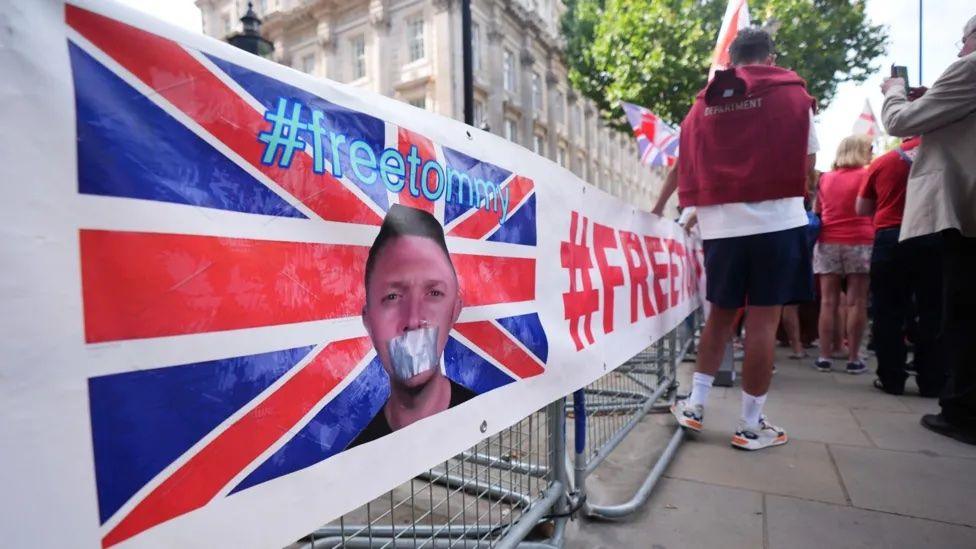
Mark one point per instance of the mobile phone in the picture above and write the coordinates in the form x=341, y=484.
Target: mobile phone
x=900, y=71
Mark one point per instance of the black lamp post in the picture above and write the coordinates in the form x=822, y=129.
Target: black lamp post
x=250, y=39
x=467, y=63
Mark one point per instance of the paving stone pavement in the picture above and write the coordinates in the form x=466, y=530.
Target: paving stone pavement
x=859, y=471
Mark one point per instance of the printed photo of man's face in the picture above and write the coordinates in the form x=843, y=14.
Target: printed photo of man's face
x=412, y=302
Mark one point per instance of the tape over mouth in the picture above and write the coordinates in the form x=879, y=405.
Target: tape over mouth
x=414, y=352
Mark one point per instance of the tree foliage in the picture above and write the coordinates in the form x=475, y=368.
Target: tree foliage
x=656, y=53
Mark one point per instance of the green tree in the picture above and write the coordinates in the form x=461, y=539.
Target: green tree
x=656, y=53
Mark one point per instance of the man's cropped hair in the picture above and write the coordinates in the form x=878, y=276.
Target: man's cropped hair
x=405, y=221
x=751, y=45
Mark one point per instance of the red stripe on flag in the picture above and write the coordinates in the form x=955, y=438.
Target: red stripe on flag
x=726, y=36
x=648, y=124
x=499, y=345
x=201, y=478
x=425, y=150
x=167, y=68
x=482, y=222
x=138, y=285
x=487, y=280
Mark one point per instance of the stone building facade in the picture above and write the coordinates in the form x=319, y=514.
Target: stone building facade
x=410, y=50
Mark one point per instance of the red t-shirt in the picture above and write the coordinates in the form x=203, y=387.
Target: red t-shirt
x=841, y=224
x=886, y=182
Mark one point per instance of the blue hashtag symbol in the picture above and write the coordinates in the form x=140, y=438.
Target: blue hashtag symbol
x=283, y=134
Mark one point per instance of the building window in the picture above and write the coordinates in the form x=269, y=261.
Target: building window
x=539, y=144
x=511, y=130
x=560, y=108
x=358, y=50
x=415, y=38
x=575, y=121
x=508, y=70
x=479, y=113
x=225, y=23
x=475, y=47
x=561, y=156
x=536, y=93
x=419, y=102
x=308, y=63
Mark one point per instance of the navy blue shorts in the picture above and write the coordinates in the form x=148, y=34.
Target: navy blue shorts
x=759, y=269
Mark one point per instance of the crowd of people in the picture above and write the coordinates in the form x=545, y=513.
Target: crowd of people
x=887, y=242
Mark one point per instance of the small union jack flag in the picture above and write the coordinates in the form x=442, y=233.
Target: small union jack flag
x=268, y=258
x=657, y=141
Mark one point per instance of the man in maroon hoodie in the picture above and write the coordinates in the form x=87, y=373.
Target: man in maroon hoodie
x=746, y=147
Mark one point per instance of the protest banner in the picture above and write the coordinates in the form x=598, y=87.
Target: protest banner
x=240, y=301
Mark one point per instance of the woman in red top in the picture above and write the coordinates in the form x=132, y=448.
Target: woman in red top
x=843, y=251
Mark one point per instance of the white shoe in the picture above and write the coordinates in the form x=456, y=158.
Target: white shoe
x=688, y=416
x=758, y=437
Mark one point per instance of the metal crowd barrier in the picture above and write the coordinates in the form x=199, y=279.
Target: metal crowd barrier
x=515, y=489
x=606, y=411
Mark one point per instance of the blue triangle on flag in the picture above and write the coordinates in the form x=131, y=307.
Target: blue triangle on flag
x=129, y=147
x=143, y=420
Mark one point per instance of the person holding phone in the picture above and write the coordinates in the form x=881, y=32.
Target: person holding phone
x=941, y=199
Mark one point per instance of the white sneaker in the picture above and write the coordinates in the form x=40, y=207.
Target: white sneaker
x=688, y=416
x=758, y=437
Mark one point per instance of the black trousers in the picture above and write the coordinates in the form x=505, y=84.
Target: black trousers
x=906, y=285
x=959, y=329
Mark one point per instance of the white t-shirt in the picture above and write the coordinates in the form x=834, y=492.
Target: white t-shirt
x=685, y=216
x=746, y=218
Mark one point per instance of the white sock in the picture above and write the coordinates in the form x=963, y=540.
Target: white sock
x=752, y=408
x=701, y=383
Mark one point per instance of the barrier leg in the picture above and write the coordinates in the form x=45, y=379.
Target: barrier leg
x=670, y=351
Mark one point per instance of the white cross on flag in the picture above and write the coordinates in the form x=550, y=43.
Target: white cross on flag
x=736, y=17
x=866, y=123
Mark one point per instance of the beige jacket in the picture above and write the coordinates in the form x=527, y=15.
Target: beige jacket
x=942, y=184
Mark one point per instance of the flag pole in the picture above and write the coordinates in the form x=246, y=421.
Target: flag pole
x=919, y=42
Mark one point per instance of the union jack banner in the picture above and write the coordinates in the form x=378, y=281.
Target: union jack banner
x=172, y=127
x=657, y=141
x=190, y=359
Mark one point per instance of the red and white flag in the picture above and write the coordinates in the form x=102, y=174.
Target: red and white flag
x=736, y=17
x=866, y=123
